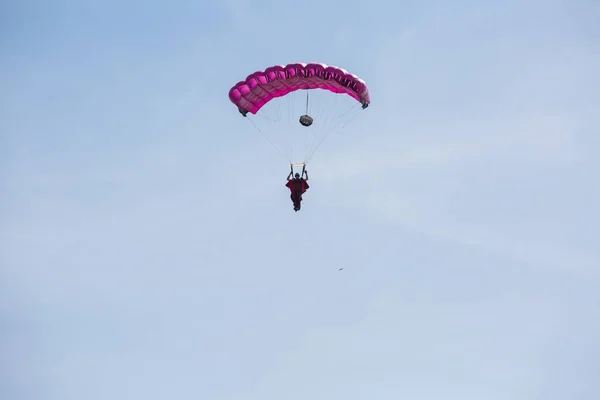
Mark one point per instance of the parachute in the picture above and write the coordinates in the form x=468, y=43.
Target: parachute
x=297, y=106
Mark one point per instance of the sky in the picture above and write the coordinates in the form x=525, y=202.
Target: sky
x=149, y=246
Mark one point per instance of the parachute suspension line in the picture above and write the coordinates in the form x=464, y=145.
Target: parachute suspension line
x=353, y=111
x=292, y=127
x=280, y=132
x=299, y=142
x=319, y=143
x=318, y=129
x=316, y=143
x=268, y=140
x=307, y=102
x=309, y=132
x=322, y=119
x=312, y=153
x=323, y=99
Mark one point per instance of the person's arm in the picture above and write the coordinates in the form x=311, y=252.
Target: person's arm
x=289, y=178
x=306, y=174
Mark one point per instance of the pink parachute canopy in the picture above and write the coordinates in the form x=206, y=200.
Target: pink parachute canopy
x=262, y=86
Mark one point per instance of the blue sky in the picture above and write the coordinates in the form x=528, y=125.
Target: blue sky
x=150, y=249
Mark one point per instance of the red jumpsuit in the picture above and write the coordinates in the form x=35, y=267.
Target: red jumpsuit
x=297, y=187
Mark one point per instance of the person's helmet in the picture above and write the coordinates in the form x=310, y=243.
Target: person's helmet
x=297, y=175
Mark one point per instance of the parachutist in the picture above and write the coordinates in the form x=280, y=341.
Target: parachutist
x=297, y=186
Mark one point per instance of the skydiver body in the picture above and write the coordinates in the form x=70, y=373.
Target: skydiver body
x=297, y=187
